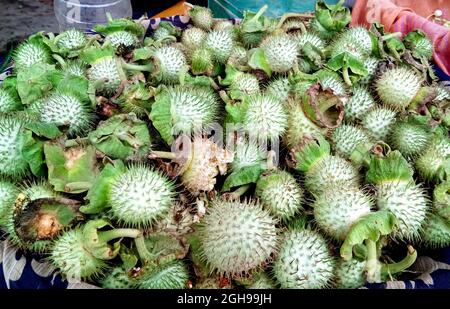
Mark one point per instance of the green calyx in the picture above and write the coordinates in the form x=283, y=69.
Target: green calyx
x=136, y=98
x=392, y=168
x=120, y=24
x=311, y=153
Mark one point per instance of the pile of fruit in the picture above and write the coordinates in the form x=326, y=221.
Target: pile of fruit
x=286, y=152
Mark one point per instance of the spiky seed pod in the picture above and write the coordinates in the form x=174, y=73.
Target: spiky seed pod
x=350, y=274
x=193, y=38
x=12, y=143
x=8, y=103
x=409, y=205
x=409, y=138
x=244, y=84
x=76, y=68
x=106, y=70
x=300, y=127
x=443, y=93
x=378, y=122
x=337, y=208
x=238, y=56
x=72, y=259
x=72, y=39
x=223, y=25
x=29, y=53
x=183, y=110
x=280, y=51
x=206, y=161
x=397, y=193
x=358, y=104
x=201, y=17
x=202, y=61
x=303, y=38
x=65, y=109
x=38, y=189
x=161, y=33
x=280, y=193
x=237, y=237
x=335, y=84
x=419, y=44
x=221, y=44
x=356, y=41
x=172, y=275
x=171, y=62
x=279, y=88
x=140, y=196
x=436, y=232
x=265, y=117
x=433, y=163
x=371, y=65
x=246, y=154
x=397, y=87
x=121, y=38
x=346, y=138
x=8, y=194
x=304, y=261
x=117, y=278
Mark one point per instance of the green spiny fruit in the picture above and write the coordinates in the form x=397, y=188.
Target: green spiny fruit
x=121, y=38
x=334, y=83
x=436, y=232
x=242, y=85
x=12, y=144
x=346, y=139
x=38, y=189
x=8, y=194
x=280, y=193
x=170, y=63
x=398, y=87
x=193, y=38
x=237, y=237
x=66, y=109
x=247, y=154
x=205, y=161
x=140, y=196
x=420, y=45
x=201, y=17
x=443, y=93
x=8, y=103
x=300, y=127
x=71, y=39
x=135, y=98
x=356, y=41
x=29, y=53
x=378, y=122
x=409, y=138
x=358, y=104
x=350, y=274
x=397, y=193
x=322, y=169
x=279, y=88
x=75, y=68
x=304, y=261
x=266, y=117
x=337, y=208
x=117, y=278
x=73, y=260
x=202, y=61
x=172, y=275
x=441, y=199
x=238, y=56
x=280, y=51
x=371, y=65
x=221, y=44
x=303, y=38
x=223, y=24
x=434, y=162
x=183, y=110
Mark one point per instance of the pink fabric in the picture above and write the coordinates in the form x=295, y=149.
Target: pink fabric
x=403, y=19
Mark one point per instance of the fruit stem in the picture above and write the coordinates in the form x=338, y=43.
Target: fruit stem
x=238, y=192
x=142, y=250
x=390, y=269
x=60, y=60
x=346, y=76
x=137, y=67
x=373, y=267
x=286, y=16
x=107, y=236
x=391, y=36
x=260, y=13
x=162, y=155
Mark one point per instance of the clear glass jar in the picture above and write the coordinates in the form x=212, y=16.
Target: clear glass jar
x=85, y=14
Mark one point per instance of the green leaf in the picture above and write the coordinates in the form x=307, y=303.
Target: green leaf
x=94, y=243
x=246, y=175
x=121, y=24
x=161, y=116
x=236, y=112
x=37, y=81
x=41, y=129
x=351, y=67
x=258, y=61
x=33, y=153
x=73, y=170
x=129, y=260
x=332, y=17
x=99, y=192
x=372, y=227
x=143, y=53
